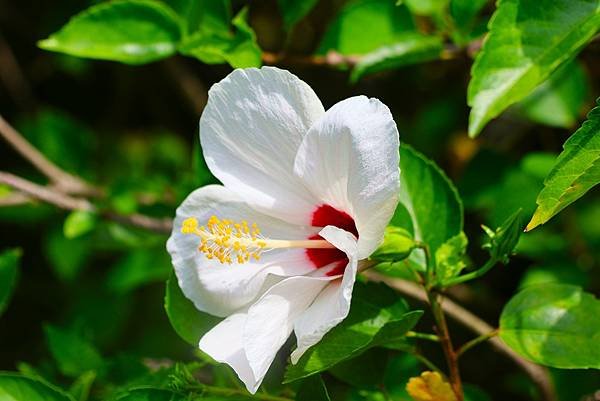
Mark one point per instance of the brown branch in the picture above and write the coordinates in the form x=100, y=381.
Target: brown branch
x=45, y=194
x=194, y=90
x=55, y=174
x=538, y=374
x=54, y=196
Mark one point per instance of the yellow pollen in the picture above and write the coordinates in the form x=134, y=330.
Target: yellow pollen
x=226, y=240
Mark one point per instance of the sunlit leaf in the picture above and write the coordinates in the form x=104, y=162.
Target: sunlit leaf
x=528, y=40
x=450, y=257
x=576, y=171
x=78, y=223
x=411, y=49
x=129, y=31
x=363, y=26
x=554, y=325
x=432, y=202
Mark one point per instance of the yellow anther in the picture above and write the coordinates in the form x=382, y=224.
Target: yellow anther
x=189, y=225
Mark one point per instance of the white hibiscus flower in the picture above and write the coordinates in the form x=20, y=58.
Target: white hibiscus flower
x=306, y=195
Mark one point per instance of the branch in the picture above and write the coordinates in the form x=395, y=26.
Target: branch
x=538, y=374
x=65, y=201
x=55, y=174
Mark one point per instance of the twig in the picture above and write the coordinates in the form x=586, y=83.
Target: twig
x=193, y=89
x=65, y=201
x=55, y=174
x=538, y=374
x=13, y=77
x=45, y=194
x=476, y=341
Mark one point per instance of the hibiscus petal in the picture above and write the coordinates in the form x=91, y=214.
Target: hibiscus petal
x=224, y=344
x=271, y=319
x=349, y=160
x=223, y=289
x=250, y=131
x=333, y=304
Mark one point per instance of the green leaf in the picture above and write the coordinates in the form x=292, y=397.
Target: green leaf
x=432, y=202
x=557, y=101
x=312, y=389
x=363, y=26
x=188, y=322
x=80, y=389
x=376, y=317
x=9, y=273
x=426, y=7
x=129, y=31
x=528, y=40
x=413, y=48
x=450, y=257
x=554, y=325
x=294, y=10
x=73, y=355
x=576, y=171
x=397, y=245
x=213, y=46
x=503, y=241
x=205, y=15
x=16, y=387
x=78, y=223
x=464, y=11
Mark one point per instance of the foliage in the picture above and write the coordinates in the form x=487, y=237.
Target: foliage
x=89, y=306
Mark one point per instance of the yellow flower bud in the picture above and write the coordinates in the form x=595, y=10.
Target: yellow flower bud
x=430, y=386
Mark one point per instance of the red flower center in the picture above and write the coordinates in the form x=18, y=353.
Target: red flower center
x=326, y=215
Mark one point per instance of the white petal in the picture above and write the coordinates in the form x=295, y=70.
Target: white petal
x=223, y=289
x=349, y=160
x=333, y=303
x=271, y=319
x=224, y=344
x=250, y=131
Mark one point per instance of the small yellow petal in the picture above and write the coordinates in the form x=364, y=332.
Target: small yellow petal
x=430, y=386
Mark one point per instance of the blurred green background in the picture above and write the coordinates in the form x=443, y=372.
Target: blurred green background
x=133, y=130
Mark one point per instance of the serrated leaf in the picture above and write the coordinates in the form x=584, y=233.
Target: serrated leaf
x=528, y=40
x=79, y=222
x=576, y=171
x=16, y=387
x=554, y=325
x=450, y=257
x=129, y=31
x=294, y=10
x=432, y=202
x=206, y=15
x=213, y=46
x=557, y=101
x=363, y=26
x=73, y=354
x=376, y=317
x=188, y=322
x=411, y=49
x=9, y=272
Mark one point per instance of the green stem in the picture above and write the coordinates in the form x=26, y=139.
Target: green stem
x=425, y=361
x=477, y=340
x=472, y=275
x=423, y=336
